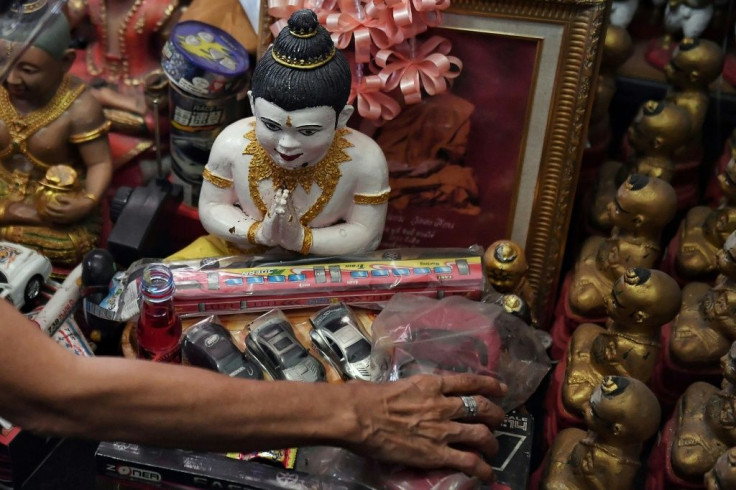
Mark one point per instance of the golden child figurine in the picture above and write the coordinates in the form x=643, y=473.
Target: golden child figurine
x=705, y=423
x=659, y=129
x=641, y=301
x=695, y=64
x=294, y=176
x=51, y=130
x=723, y=474
x=704, y=231
x=706, y=324
x=621, y=414
x=642, y=207
x=506, y=268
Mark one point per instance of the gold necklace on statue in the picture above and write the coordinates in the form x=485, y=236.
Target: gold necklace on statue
x=22, y=127
x=325, y=174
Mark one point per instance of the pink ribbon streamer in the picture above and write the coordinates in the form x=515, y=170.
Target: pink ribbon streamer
x=429, y=68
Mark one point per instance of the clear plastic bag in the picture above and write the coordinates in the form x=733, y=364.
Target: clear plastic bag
x=423, y=335
x=19, y=25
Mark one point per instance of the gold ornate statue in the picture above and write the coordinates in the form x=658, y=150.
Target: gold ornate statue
x=658, y=130
x=723, y=474
x=642, y=207
x=694, y=65
x=641, y=301
x=622, y=414
x=122, y=65
x=706, y=325
x=704, y=231
x=47, y=119
x=705, y=423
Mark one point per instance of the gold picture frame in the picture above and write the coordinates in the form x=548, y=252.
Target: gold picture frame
x=565, y=37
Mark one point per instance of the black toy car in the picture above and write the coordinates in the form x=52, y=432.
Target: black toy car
x=210, y=346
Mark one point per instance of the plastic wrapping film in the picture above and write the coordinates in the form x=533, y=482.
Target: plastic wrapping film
x=237, y=284
x=20, y=23
x=414, y=334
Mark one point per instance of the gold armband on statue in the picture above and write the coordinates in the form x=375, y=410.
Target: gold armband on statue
x=371, y=199
x=91, y=197
x=90, y=135
x=307, y=242
x=216, y=180
x=252, y=232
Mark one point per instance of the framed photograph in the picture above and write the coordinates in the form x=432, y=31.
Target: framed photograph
x=497, y=155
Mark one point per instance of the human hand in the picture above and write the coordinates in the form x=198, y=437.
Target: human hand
x=69, y=209
x=421, y=421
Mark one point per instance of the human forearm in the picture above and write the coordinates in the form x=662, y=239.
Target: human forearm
x=166, y=405
x=416, y=421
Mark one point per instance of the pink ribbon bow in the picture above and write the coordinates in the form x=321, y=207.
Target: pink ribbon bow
x=351, y=22
x=372, y=102
x=428, y=67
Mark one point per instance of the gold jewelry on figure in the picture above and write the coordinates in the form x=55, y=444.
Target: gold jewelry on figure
x=90, y=135
x=302, y=64
x=23, y=127
x=325, y=174
x=307, y=242
x=252, y=232
x=216, y=180
x=371, y=199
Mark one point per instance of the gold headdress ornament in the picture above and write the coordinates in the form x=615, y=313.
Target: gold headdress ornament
x=302, y=34
x=302, y=64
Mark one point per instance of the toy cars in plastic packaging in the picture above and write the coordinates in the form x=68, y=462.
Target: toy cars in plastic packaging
x=272, y=343
x=337, y=335
x=209, y=345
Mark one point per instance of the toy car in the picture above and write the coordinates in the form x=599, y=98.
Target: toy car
x=23, y=271
x=210, y=346
x=272, y=344
x=337, y=336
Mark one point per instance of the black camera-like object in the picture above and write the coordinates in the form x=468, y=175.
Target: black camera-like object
x=140, y=215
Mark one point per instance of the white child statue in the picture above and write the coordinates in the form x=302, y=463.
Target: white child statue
x=293, y=175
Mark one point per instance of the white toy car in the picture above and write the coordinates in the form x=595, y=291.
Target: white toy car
x=23, y=271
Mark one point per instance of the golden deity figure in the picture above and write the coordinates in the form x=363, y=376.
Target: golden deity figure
x=54, y=153
x=705, y=423
x=694, y=65
x=641, y=301
x=121, y=63
x=706, y=324
x=659, y=129
x=723, y=474
x=704, y=231
x=641, y=208
x=622, y=413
